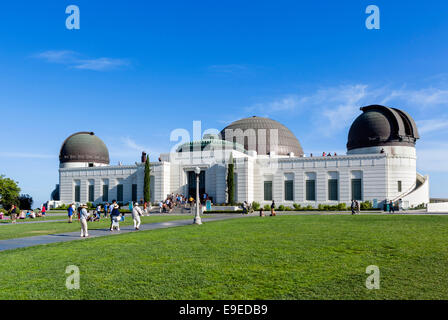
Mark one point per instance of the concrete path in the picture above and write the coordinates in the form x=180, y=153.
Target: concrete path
x=71, y=236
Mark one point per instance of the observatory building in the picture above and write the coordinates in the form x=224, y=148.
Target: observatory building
x=269, y=164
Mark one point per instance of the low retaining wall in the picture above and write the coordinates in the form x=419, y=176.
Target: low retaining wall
x=438, y=207
x=225, y=208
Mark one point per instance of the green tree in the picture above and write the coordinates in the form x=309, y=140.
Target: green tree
x=9, y=192
x=25, y=202
x=147, y=182
x=230, y=181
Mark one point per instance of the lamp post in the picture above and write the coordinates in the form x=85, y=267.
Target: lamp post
x=197, y=218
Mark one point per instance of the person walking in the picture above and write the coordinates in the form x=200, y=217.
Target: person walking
x=83, y=219
x=391, y=207
x=106, y=208
x=13, y=213
x=136, y=213
x=114, y=217
x=44, y=210
x=353, y=207
x=273, y=214
x=358, y=207
x=98, y=211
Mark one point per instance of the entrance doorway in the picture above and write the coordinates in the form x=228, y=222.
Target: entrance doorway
x=192, y=184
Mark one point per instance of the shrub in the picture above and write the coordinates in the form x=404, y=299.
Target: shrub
x=366, y=205
x=281, y=208
x=288, y=209
x=342, y=206
x=297, y=206
x=255, y=206
x=267, y=207
x=309, y=207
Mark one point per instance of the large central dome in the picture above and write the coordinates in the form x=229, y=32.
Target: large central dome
x=84, y=147
x=255, y=134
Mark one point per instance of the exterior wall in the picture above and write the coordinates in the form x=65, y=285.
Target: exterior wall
x=438, y=207
x=380, y=173
x=404, y=169
x=417, y=196
x=371, y=167
x=112, y=175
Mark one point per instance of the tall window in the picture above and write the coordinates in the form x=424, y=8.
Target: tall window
x=400, y=186
x=289, y=190
x=357, y=189
x=105, y=192
x=268, y=190
x=333, y=192
x=134, y=192
x=119, y=193
x=311, y=190
x=91, y=193
x=77, y=193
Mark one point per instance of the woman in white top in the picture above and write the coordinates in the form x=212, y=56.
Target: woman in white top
x=136, y=213
x=83, y=219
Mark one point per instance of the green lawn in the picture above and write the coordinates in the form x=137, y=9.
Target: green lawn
x=283, y=257
x=36, y=229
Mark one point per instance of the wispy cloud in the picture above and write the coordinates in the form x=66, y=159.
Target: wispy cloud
x=101, y=64
x=58, y=56
x=433, y=159
x=127, y=149
x=228, y=68
x=432, y=125
x=334, y=108
x=75, y=60
x=21, y=155
x=424, y=97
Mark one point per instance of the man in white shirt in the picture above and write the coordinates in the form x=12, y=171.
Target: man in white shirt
x=83, y=219
x=136, y=213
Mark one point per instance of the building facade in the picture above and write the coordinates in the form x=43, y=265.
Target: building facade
x=269, y=164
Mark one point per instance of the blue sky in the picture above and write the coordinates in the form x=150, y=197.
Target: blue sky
x=137, y=70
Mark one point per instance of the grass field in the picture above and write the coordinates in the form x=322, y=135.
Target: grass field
x=283, y=257
x=36, y=229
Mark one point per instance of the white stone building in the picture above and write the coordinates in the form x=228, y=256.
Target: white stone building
x=269, y=164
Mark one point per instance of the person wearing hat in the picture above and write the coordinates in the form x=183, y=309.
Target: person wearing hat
x=114, y=214
x=136, y=213
x=83, y=219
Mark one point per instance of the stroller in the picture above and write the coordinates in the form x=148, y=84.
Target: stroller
x=116, y=222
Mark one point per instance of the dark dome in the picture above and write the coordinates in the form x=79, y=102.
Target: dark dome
x=252, y=139
x=84, y=147
x=382, y=126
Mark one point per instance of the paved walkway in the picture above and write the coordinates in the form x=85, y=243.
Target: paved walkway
x=71, y=236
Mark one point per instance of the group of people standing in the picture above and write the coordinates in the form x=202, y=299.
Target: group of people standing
x=113, y=210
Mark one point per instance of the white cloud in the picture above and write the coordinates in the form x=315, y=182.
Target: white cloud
x=22, y=155
x=101, y=64
x=228, y=68
x=433, y=159
x=426, y=97
x=334, y=108
x=75, y=60
x=432, y=125
x=55, y=56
